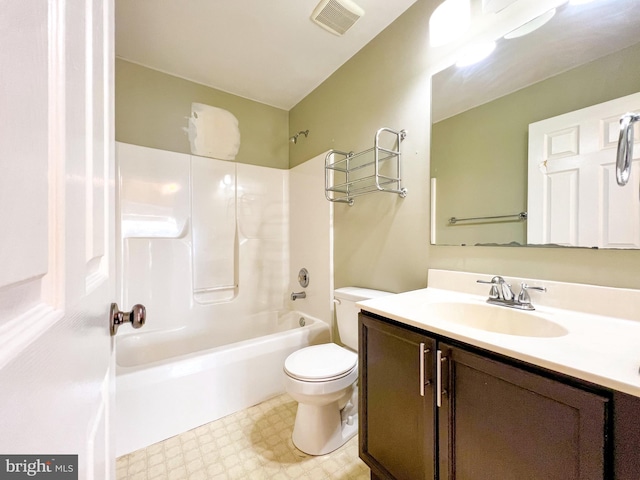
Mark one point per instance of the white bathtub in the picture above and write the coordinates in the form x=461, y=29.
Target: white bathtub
x=168, y=382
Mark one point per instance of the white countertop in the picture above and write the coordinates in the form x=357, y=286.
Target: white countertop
x=599, y=348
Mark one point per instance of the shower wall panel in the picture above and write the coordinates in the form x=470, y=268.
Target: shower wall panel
x=214, y=230
x=202, y=240
x=311, y=227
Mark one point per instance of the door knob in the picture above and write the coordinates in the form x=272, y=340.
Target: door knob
x=136, y=317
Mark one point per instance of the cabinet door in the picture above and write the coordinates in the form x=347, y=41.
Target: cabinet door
x=397, y=418
x=500, y=422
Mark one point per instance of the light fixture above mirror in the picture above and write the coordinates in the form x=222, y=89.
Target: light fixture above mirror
x=531, y=26
x=493, y=6
x=452, y=19
x=449, y=21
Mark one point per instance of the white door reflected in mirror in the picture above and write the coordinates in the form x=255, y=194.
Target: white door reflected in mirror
x=573, y=196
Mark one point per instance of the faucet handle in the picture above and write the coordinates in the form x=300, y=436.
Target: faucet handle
x=500, y=289
x=493, y=293
x=497, y=283
x=497, y=280
x=523, y=296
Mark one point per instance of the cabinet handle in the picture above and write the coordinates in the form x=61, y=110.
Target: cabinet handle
x=439, y=360
x=422, y=351
x=423, y=382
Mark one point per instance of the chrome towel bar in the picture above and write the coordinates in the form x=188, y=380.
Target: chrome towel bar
x=517, y=216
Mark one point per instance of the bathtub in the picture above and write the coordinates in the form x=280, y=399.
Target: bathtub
x=170, y=381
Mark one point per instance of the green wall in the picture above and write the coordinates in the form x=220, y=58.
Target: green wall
x=151, y=106
x=383, y=241
x=496, y=171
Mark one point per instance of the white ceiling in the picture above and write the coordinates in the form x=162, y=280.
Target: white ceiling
x=265, y=50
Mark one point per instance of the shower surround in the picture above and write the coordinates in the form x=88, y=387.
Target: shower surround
x=205, y=246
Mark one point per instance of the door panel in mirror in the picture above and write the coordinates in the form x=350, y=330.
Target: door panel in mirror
x=573, y=197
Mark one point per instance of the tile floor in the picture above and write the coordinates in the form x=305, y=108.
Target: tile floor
x=252, y=444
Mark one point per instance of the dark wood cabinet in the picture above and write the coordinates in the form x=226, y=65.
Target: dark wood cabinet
x=501, y=422
x=497, y=420
x=396, y=399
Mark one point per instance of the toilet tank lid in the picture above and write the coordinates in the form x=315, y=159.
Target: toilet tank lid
x=357, y=294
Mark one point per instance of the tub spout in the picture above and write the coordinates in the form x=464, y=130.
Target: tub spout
x=296, y=295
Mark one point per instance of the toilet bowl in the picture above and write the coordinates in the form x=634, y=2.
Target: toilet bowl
x=323, y=380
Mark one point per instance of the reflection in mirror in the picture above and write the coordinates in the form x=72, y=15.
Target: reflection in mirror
x=552, y=79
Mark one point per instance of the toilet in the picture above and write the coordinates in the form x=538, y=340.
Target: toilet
x=322, y=379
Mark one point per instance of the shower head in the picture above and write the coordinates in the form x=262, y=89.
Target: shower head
x=294, y=139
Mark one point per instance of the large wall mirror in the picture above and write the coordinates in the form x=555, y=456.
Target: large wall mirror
x=523, y=143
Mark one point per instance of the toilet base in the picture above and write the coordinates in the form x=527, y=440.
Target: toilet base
x=319, y=430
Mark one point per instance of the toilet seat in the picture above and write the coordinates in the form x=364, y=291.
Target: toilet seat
x=321, y=363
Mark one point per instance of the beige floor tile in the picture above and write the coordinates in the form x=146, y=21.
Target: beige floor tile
x=254, y=444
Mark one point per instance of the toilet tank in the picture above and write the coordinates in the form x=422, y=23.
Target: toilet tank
x=347, y=312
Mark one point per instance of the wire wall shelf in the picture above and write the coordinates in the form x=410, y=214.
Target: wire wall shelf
x=378, y=169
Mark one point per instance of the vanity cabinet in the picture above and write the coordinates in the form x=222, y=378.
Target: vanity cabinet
x=500, y=421
x=397, y=409
x=491, y=418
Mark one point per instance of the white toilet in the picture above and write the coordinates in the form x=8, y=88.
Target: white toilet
x=322, y=379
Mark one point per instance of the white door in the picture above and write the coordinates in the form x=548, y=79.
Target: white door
x=573, y=197
x=57, y=242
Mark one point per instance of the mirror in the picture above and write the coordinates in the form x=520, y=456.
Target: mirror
x=585, y=55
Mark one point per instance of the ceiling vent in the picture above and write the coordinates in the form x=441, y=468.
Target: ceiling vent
x=337, y=16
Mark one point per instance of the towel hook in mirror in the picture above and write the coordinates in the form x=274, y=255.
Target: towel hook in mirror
x=625, y=148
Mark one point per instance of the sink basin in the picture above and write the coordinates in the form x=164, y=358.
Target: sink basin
x=495, y=319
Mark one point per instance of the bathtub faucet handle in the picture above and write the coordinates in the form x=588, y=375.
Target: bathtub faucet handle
x=137, y=316
x=296, y=295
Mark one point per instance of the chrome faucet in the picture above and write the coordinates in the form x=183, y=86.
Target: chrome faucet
x=523, y=296
x=296, y=295
x=500, y=290
x=501, y=294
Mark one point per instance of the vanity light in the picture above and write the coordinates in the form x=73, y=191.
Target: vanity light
x=449, y=21
x=532, y=25
x=475, y=53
